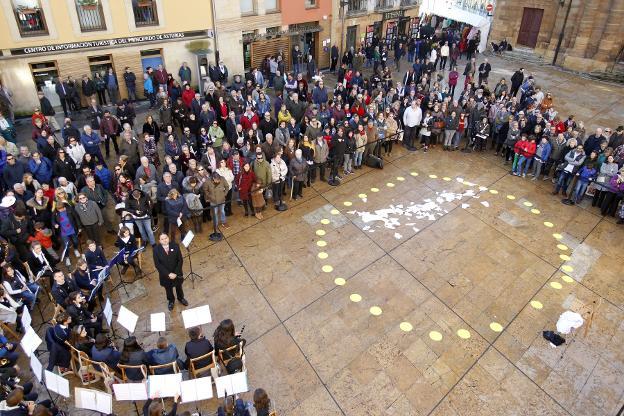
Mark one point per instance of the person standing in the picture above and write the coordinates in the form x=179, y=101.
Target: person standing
x=48, y=111
x=296, y=57
x=112, y=86
x=88, y=88
x=484, y=72
x=444, y=54
x=334, y=58
x=109, y=126
x=516, y=81
x=130, y=80
x=411, y=121
x=185, y=73
x=62, y=90
x=90, y=217
x=168, y=261
x=161, y=76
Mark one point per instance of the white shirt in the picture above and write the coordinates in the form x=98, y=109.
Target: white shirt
x=411, y=117
x=444, y=50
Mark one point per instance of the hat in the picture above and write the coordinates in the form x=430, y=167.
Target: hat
x=7, y=201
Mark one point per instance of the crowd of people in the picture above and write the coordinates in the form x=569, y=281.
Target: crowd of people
x=195, y=157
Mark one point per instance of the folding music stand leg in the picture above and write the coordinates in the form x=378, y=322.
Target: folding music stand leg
x=192, y=276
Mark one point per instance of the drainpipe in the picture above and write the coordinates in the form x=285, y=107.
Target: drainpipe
x=214, y=31
x=565, y=22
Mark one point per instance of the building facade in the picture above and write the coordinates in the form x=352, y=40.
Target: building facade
x=361, y=20
x=42, y=40
x=593, y=37
x=249, y=30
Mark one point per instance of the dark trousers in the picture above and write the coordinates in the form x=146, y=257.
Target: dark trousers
x=410, y=135
x=65, y=102
x=277, y=192
x=228, y=203
x=101, y=97
x=93, y=233
x=177, y=284
x=321, y=168
x=443, y=62
x=609, y=203
x=334, y=62
x=297, y=188
x=452, y=90
x=107, y=139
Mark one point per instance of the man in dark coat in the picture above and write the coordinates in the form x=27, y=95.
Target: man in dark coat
x=516, y=81
x=62, y=90
x=130, y=80
x=168, y=261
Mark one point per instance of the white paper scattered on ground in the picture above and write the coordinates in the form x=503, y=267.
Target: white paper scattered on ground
x=464, y=206
x=485, y=204
x=569, y=320
x=398, y=236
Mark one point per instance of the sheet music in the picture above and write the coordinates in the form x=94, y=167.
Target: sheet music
x=196, y=389
x=127, y=318
x=95, y=400
x=64, y=253
x=36, y=367
x=196, y=316
x=188, y=238
x=137, y=251
x=158, y=322
x=26, y=318
x=57, y=383
x=166, y=385
x=103, y=274
x=232, y=384
x=30, y=341
x=179, y=222
x=130, y=392
x=108, y=311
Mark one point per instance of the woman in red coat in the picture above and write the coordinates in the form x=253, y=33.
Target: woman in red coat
x=188, y=95
x=244, y=180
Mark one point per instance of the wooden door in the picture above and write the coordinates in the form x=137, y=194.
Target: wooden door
x=530, y=26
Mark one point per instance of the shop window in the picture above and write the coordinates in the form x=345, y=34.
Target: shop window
x=248, y=7
x=311, y=4
x=272, y=6
x=30, y=18
x=356, y=6
x=384, y=4
x=145, y=13
x=90, y=15
x=45, y=74
x=151, y=57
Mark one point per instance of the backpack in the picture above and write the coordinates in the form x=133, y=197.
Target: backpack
x=193, y=201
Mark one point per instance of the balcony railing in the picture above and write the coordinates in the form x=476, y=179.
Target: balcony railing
x=30, y=21
x=409, y=3
x=91, y=17
x=384, y=4
x=356, y=7
x=145, y=13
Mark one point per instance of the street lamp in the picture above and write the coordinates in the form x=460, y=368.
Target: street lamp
x=565, y=22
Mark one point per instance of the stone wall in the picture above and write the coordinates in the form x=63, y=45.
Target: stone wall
x=594, y=33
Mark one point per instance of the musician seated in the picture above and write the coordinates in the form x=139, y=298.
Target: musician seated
x=16, y=285
x=80, y=339
x=85, y=279
x=105, y=351
x=225, y=336
x=15, y=404
x=40, y=262
x=164, y=353
x=10, y=310
x=8, y=353
x=78, y=310
x=95, y=257
x=196, y=347
x=127, y=241
x=133, y=354
x=9, y=379
x=62, y=287
x=55, y=341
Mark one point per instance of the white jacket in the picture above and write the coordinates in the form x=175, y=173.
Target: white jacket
x=278, y=170
x=76, y=152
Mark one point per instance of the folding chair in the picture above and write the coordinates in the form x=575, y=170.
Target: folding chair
x=109, y=377
x=123, y=369
x=211, y=366
x=228, y=354
x=173, y=365
x=87, y=370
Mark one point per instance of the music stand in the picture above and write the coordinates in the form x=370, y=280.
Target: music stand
x=118, y=258
x=130, y=392
x=186, y=242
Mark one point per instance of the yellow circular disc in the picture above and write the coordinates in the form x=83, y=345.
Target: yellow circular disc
x=432, y=176
x=321, y=243
x=493, y=191
x=511, y=197
x=536, y=211
x=322, y=255
x=400, y=178
x=414, y=173
x=406, y=326
x=446, y=178
x=549, y=224
x=320, y=233
x=469, y=183
x=567, y=268
x=536, y=304
x=567, y=278
x=463, y=333
x=562, y=247
x=334, y=211
x=324, y=221
x=390, y=185
x=375, y=310
x=347, y=203
x=327, y=268
x=557, y=236
x=374, y=189
x=527, y=204
x=564, y=257
x=496, y=327
x=435, y=336
x=556, y=285
x=362, y=196
x=340, y=281
x=355, y=297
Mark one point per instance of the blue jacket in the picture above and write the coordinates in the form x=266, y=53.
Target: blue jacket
x=543, y=151
x=148, y=85
x=319, y=95
x=105, y=176
x=587, y=174
x=42, y=171
x=91, y=142
x=163, y=356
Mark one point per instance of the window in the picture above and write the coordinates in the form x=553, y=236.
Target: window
x=408, y=3
x=248, y=6
x=145, y=13
x=356, y=6
x=384, y=4
x=90, y=15
x=100, y=64
x=30, y=18
x=311, y=4
x=271, y=5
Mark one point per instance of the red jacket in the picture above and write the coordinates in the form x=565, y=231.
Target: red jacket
x=358, y=109
x=529, y=150
x=519, y=146
x=187, y=97
x=244, y=180
x=246, y=122
x=161, y=77
x=230, y=163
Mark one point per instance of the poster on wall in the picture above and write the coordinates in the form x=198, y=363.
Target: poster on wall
x=391, y=32
x=370, y=30
x=414, y=25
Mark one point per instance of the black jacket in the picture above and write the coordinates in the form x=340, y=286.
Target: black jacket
x=197, y=348
x=46, y=106
x=170, y=262
x=65, y=168
x=61, y=293
x=88, y=87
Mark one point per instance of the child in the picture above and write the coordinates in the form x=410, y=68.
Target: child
x=520, y=144
x=527, y=151
x=257, y=199
x=585, y=175
x=44, y=236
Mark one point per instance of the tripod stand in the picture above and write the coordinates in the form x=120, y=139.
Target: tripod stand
x=192, y=276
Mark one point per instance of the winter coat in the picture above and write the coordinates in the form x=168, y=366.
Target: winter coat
x=175, y=207
x=243, y=183
x=215, y=193
x=262, y=171
x=257, y=199
x=41, y=171
x=543, y=151
x=321, y=151
x=278, y=170
x=91, y=142
x=451, y=123
x=298, y=169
